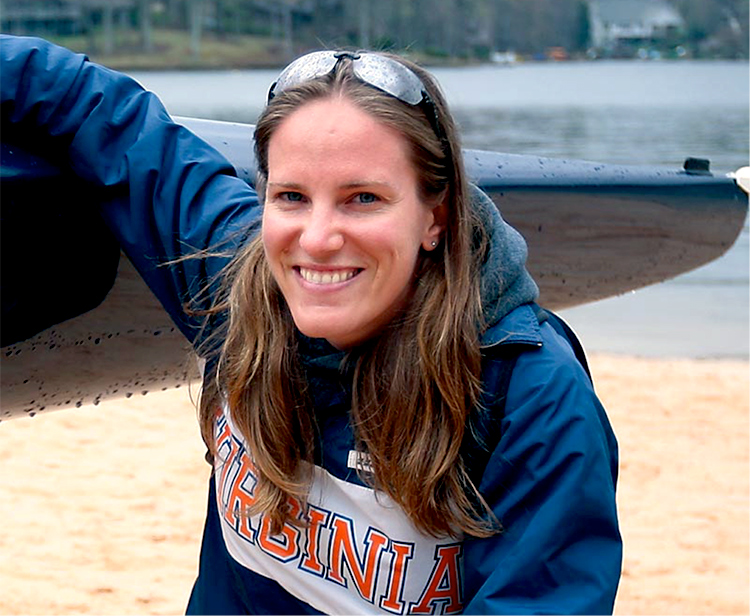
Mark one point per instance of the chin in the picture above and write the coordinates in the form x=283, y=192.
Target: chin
x=332, y=334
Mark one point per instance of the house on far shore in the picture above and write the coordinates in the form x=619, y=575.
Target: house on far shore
x=625, y=28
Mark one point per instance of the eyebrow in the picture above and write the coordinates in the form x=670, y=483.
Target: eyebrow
x=347, y=186
x=283, y=185
x=366, y=183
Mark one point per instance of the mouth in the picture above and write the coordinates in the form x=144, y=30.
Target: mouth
x=328, y=277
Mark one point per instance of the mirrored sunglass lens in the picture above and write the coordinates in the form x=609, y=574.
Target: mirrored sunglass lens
x=390, y=76
x=306, y=68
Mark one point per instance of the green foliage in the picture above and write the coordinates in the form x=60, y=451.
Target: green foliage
x=273, y=31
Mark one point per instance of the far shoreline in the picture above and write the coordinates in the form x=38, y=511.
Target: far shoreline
x=171, y=52
x=113, y=63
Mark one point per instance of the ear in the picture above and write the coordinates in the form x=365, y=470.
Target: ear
x=436, y=226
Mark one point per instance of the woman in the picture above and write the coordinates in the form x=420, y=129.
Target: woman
x=352, y=347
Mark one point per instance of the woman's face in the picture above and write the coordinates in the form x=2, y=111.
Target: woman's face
x=343, y=222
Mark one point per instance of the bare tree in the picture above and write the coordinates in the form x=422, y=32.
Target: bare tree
x=364, y=23
x=144, y=21
x=195, y=20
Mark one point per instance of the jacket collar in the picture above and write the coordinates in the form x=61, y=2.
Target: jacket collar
x=520, y=326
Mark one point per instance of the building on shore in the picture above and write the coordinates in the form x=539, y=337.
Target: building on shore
x=622, y=28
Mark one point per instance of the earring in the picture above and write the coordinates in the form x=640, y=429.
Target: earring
x=433, y=243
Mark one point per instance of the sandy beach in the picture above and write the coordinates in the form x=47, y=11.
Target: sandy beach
x=102, y=507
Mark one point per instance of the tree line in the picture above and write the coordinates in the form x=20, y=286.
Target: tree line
x=451, y=28
x=438, y=28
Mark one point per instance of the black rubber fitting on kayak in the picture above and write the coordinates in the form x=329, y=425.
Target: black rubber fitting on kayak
x=697, y=166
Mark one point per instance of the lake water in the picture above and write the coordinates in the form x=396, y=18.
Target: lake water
x=653, y=113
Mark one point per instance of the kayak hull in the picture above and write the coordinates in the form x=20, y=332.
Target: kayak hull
x=79, y=325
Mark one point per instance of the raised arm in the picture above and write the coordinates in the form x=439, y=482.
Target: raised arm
x=172, y=194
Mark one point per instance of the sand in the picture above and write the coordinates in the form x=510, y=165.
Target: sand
x=102, y=507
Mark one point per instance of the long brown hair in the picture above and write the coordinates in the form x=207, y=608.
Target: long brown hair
x=413, y=386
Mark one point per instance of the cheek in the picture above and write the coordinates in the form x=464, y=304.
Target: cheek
x=398, y=255
x=275, y=246
x=274, y=236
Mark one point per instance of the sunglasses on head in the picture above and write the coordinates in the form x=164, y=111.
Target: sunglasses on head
x=377, y=71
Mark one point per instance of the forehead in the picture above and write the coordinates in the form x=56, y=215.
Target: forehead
x=335, y=132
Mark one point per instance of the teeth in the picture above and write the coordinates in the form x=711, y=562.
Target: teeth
x=326, y=277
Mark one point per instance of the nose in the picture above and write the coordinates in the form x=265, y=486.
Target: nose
x=321, y=231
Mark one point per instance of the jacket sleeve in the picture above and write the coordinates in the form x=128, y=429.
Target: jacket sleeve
x=173, y=193
x=551, y=483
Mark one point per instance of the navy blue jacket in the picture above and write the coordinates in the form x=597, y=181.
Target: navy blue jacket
x=550, y=480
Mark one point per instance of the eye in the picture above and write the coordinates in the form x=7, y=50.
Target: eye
x=366, y=198
x=291, y=196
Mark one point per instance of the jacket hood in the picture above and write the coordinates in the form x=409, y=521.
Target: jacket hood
x=506, y=283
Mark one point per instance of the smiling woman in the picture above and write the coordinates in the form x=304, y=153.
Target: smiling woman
x=343, y=246
x=392, y=424
x=361, y=323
